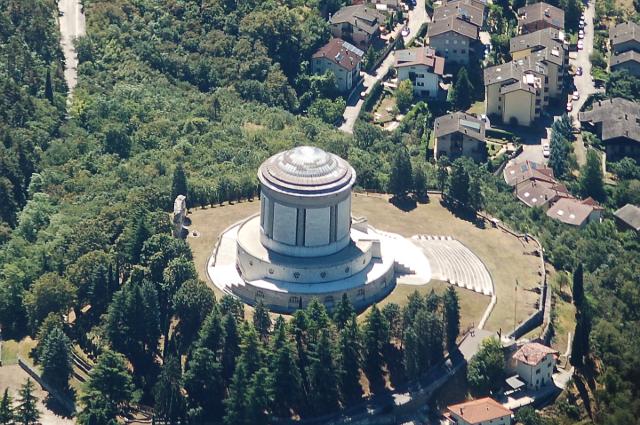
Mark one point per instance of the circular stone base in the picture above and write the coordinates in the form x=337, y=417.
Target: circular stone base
x=323, y=278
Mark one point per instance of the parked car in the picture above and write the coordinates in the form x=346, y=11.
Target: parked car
x=579, y=71
x=575, y=95
x=581, y=24
x=581, y=34
x=569, y=107
x=546, y=150
x=580, y=44
x=405, y=32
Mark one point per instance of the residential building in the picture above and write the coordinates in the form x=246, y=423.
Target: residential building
x=516, y=92
x=628, y=217
x=483, y=411
x=341, y=58
x=548, y=47
x=359, y=24
x=629, y=60
x=472, y=11
x=537, y=16
x=575, y=212
x=453, y=38
x=625, y=37
x=540, y=192
x=518, y=172
x=423, y=68
x=534, y=364
x=459, y=134
x=617, y=123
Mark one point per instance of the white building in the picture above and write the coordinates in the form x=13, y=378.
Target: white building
x=423, y=68
x=342, y=59
x=534, y=364
x=483, y=411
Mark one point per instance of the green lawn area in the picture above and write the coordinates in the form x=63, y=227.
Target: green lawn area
x=388, y=102
x=477, y=108
x=507, y=258
x=11, y=349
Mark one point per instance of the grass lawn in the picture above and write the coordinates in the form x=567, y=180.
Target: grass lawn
x=472, y=304
x=387, y=102
x=11, y=349
x=505, y=256
x=477, y=108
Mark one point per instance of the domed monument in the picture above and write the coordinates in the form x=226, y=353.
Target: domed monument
x=304, y=243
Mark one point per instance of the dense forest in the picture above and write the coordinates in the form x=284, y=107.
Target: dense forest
x=202, y=92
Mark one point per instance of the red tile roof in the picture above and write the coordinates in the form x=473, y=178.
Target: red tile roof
x=340, y=52
x=480, y=410
x=533, y=353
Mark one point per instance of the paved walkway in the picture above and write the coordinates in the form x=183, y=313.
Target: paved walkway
x=417, y=17
x=72, y=25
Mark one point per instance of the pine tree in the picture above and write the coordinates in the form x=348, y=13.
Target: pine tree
x=591, y=178
x=179, y=185
x=349, y=361
x=415, y=302
x=458, y=188
x=286, y=382
x=211, y=334
x=237, y=399
x=578, y=287
x=343, y=312
x=48, y=87
x=461, y=94
x=420, y=182
x=376, y=337
x=251, y=350
x=323, y=376
x=169, y=401
x=262, y=321
x=6, y=409
x=27, y=412
x=231, y=346
x=259, y=398
x=109, y=390
x=140, y=236
x=432, y=302
x=204, y=385
x=451, y=306
x=56, y=359
x=401, y=176
x=299, y=329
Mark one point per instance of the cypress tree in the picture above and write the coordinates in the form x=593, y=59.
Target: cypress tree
x=376, y=336
x=420, y=182
x=591, y=178
x=6, y=409
x=432, y=302
x=27, y=412
x=343, y=312
x=401, y=175
x=323, y=376
x=48, y=87
x=349, y=361
x=230, y=349
x=578, y=287
x=179, y=185
x=452, y=317
x=262, y=321
x=140, y=235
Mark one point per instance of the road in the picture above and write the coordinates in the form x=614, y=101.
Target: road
x=584, y=83
x=72, y=25
x=417, y=17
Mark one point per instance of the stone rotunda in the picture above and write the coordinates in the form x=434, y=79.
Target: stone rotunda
x=305, y=244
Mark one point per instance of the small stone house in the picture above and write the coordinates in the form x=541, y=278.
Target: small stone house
x=534, y=364
x=423, y=68
x=459, y=134
x=341, y=58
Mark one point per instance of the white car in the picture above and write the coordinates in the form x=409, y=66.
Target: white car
x=569, y=107
x=575, y=95
x=581, y=24
x=546, y=150
x=580, y=45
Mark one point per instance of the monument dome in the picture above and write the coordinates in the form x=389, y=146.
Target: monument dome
x=304, y=244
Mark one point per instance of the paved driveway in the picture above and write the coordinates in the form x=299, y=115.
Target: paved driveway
x=72, y=25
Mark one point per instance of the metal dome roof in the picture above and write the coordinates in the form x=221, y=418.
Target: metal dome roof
x=306, y=170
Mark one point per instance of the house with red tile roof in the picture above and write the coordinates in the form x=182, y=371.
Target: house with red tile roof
x=534, y=364
x=342, y=59
x=483, y=411
x=423, y=68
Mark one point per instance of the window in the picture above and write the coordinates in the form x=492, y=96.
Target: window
x=537, y=371
x=420, y=84
x=463, y=51
x=361, y=292
x=259, y=294
x=455, y=51
x=463, y=42
x=455, y=41
x=446, y=41
x=294, y=300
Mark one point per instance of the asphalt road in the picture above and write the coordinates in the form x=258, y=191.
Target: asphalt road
x=417, y=17
x=72, y=25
